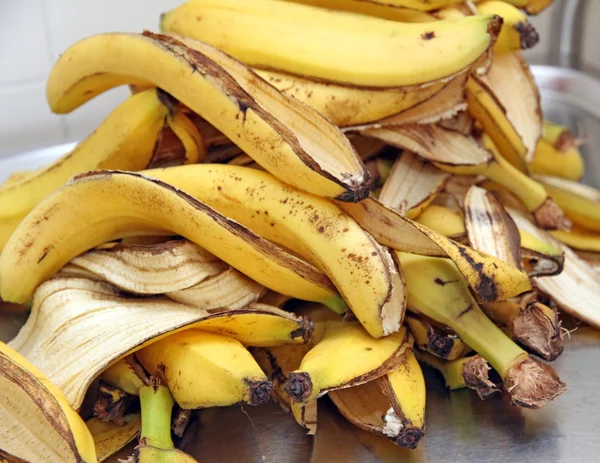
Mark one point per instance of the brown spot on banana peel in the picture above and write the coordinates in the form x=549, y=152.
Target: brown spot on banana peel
x=529, y=36
x=260, y=391
x=356, y=189
x=476, y=376
x=485, y=288
x=551, y=217
x=428, y=35
x=532, y=384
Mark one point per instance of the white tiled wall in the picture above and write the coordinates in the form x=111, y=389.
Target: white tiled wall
x=32, y=35
x=34, y=32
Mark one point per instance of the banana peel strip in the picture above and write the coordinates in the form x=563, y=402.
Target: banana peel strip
x=37, y=422
x=153, y=269
x=109, y=437
x=513, y=85
x=489, y=228
x=480, y=270
x=433, y=143
x=412, y=184
x=94, y=324
x=576, y=289
x=446, y=103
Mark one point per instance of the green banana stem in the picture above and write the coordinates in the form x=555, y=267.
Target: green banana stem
x=336, y=304
x=156, y=404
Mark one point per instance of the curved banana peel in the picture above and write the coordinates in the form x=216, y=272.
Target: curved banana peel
x=489, y=228
x=229, y=373
x=313, y=228
x=189, y=136
x=392, y=405
x=575, y=287
x=578, y=238
x=43, y=426
x=512, y=87
x=149, y=269
x=72, y=315
x=322, y=53
x=412, y=185
x=449, y=222
x=346, y=356
x=109, y=437
x=397, y=10
x=489, y=277
x=125, y=140
x=277, y=131
x=82, y=215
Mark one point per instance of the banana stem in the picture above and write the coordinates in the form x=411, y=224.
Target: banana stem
x=156, y=405
x=337, y=304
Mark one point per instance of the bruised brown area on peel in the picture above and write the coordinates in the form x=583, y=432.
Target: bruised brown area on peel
x=476, y=376
x=278, y=255
x=42, y=398
x=111, y=404
x=354, y=192
x=485, y=289
x=532, y=384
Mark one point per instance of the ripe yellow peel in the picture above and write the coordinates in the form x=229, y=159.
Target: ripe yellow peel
x=203, y=369
x=310, y=41
x=287, y=138
x=312, y=227
x=350, y=105
x=385, y=10
x=44, y=427
x=448, y=222
x=190, y=137
x=73, y=318
x=125, y=140
x=348, y=356
x=550, y=161
x=83, y=216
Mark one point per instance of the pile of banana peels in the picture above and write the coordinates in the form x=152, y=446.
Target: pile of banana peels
x=300, y=199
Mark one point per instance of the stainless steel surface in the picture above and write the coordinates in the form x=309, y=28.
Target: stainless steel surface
x=568, y=38
x=460, y=427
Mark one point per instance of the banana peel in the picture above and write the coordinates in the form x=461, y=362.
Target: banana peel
x=412, y=185
x=489, y=277
x=73, y=318
x=392, y=406
x=43, y=426
x=109, y=437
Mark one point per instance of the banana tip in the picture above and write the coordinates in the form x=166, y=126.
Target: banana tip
x=410, y=437
x=532, y=384
x=476, y=376
x=260, y=391
x=528, y=34
x=299, y=386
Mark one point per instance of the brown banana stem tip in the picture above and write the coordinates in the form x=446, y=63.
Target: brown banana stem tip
x=551, y=217
x=532, y=384
x=298, y=386
x=476, y=376
x=441, y=346
x=537, y=333
x=305, y=330
x=529, y=35
x=409, y=437
x=260, y=391
x=180, y=421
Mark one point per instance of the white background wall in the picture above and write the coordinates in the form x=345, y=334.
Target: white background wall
x=34, y=32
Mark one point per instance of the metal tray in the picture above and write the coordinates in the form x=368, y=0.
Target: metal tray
x=460, y=427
